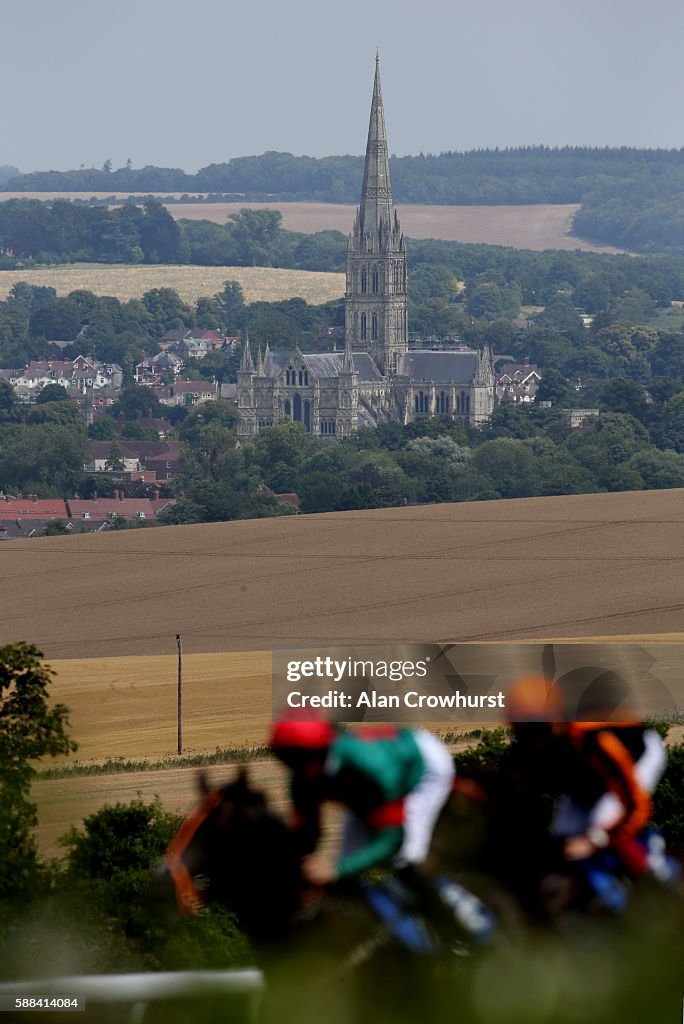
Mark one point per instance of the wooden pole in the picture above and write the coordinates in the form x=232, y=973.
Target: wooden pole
x=180, y=692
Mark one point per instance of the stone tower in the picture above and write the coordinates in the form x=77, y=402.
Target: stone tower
x=375, y=300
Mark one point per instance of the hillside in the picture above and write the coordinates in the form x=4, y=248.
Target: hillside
x=582, y=565
x=106, y=609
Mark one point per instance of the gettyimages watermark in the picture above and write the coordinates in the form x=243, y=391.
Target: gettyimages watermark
x=471, y=682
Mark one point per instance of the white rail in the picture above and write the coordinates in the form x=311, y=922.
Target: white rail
x=140, y=989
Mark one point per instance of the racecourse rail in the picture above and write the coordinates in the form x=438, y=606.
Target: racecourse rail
x=140, y=989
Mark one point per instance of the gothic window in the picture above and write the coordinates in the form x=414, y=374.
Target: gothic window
x=467, y=404
x=421, y=402
x=376, y=280
x=301, y=377
x=307, y=415
x=364, y=328
x=297, y=414
x=288, y=407
x=306, y=378
x=374, y=327
x=395, y=362
x=364, y=278
x=442, y=403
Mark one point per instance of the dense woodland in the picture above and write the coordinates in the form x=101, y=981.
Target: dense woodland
x=631, y=198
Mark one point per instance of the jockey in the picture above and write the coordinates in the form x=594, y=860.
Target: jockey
x=611, y=771
x=606, y=771
x=393, y=781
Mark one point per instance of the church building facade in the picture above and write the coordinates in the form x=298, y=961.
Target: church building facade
x=377, y=378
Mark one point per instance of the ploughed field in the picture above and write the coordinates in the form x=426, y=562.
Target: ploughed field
x=578, y=565
x=105, y=610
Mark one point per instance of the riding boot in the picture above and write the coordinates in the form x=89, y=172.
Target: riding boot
x=453, y=910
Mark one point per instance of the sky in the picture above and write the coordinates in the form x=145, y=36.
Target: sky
x=185, y=84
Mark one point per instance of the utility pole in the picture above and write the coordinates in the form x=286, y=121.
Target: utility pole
x=180, y=692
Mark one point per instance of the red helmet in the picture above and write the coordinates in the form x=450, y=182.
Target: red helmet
x=303, y=731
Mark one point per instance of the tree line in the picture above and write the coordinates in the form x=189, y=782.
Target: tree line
x=526, y=174
x=632, y=198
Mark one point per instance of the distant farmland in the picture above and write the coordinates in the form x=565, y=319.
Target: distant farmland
x=131, y=282
x=537, y=227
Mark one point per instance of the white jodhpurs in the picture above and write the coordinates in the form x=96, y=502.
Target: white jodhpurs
x=423, y=804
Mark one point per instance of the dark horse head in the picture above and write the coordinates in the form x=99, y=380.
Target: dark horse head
x=232, y=850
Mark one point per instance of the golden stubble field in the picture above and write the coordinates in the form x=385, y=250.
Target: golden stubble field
x=268, y=284
x=537, y=227
x=105, y=610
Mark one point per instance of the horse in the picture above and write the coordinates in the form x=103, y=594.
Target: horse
x=357, y=942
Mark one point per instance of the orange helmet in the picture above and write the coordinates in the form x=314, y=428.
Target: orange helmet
x=533, y=699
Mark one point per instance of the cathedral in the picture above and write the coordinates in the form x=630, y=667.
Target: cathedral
x=377, y=378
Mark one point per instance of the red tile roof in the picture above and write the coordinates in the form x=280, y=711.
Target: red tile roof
x=28, y=508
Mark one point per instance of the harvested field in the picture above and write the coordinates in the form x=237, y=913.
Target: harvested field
x=61, y=806
x=266, y=284
x=537, y=227
x=66, y=802
x=105, y=609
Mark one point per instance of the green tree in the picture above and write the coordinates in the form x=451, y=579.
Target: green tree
x=556, y=389
x=166, y=310
x=254, y=233
x=52, y=393
x=136, y=401
x=233, y=309
x=57, y=528
x=622, y=395
x=510, y=465
x=115, y=462
x=29, y=729
x=673, y=423
x=9, y=406
x=159, y=234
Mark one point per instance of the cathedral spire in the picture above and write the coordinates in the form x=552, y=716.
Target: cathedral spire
x=375, y=298
x=376, y=195
x=246, y=363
